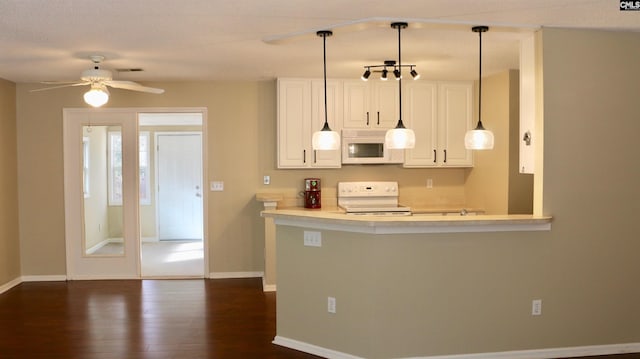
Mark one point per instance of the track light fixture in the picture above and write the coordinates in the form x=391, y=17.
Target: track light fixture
x=384, y=70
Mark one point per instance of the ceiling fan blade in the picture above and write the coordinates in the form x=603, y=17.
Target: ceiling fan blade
x=61, y=86
x=134, y=86
x=60, y=82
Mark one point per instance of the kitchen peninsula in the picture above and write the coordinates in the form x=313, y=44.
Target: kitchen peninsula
x=367, y=286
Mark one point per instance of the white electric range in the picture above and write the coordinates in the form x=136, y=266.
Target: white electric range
x=371, y=198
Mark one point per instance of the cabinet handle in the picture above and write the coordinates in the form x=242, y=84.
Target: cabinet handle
x=435, y=156
x=315, y=156
x=367, y=118
x=304, y=156
x=445, y=156
x=378, y=117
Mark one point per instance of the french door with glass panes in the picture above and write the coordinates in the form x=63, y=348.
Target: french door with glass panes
x=101, y=191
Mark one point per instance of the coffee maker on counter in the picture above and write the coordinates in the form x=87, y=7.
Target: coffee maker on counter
x=312, y=193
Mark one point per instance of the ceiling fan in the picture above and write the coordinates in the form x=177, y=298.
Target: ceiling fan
x=99, y=80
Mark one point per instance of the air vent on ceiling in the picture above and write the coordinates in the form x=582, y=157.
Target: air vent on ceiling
x=130, y=70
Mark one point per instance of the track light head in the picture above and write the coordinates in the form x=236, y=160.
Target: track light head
x=414, y=74
x=366, y=74
x=396, y=73
x=383, y=77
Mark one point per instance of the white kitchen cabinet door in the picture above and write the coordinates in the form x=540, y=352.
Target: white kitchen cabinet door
x=294, y=123
x=385, y=99
x=326, y=159
x=420, y=114
x=300, y=114
x=455, y=106
x=371, y=104
x=440, y=114
x=357, y=98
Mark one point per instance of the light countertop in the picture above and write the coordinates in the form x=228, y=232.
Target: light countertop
x=336, y=219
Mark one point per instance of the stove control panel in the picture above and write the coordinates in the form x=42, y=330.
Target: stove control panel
x=368, y=189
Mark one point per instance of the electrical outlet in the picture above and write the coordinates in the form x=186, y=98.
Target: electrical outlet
x=312, y=239
x=429, y=183
x=266, y=179
x=331, y=305
x=536, y=307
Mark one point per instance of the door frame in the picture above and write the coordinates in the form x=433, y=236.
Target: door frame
x=156, y=159
x=72, y=158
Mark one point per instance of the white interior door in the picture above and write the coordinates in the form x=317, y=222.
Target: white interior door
x=180, y=192
x=101, y=226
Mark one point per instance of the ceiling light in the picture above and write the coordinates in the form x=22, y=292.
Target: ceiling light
x=382, y=68
x=383, y=77
x=97, y=95
x=325, y=139
x=400, y=137
x=414, y=74
x=366, y=74
x=479, y=138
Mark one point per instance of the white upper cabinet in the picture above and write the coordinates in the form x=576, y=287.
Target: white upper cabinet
x=300, y=113
x=370, y=104
x=440, y=113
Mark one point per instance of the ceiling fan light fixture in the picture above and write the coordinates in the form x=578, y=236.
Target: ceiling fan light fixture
x=97, y=96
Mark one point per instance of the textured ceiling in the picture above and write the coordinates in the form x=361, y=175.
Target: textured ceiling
x=43, y=40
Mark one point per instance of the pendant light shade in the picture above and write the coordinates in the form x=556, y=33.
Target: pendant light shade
x=97, y=95
x=399, y=137
x=479, y=138
x=325, y=139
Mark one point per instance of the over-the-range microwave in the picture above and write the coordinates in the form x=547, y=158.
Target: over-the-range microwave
x=366, y=146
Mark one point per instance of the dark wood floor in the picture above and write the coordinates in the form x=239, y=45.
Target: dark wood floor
x=140, y=319
x=156, y=319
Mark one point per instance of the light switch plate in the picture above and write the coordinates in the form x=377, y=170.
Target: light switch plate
x=312, y=239
x=216, y=185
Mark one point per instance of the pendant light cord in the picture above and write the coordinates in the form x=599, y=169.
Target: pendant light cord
x=324, y=34
x=399, y=25
x=480, y=82
x=324, y=61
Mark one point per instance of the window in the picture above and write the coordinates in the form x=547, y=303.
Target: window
x=115, y=168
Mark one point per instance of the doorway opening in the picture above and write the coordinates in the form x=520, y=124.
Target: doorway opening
x=171, y=195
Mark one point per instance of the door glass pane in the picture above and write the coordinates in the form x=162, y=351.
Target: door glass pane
x=102, y=182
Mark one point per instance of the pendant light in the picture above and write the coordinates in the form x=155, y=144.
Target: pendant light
x=399, y=137
x=479, y=138
x=325, y=139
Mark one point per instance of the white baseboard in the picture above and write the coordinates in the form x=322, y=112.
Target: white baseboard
x=5, y=287
x=44, y=278
x=230, y=275
x=312, y=349
x=32, y=278
x=268, y=287
x=517, y=354
x=98, y=277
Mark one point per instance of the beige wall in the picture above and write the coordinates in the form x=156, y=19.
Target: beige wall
x=433, y=294
x=241, y=149
x=9, y=239
x=495, y=183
